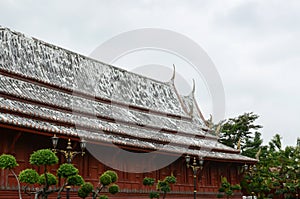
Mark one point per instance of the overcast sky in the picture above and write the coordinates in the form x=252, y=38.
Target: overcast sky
x=254, y=45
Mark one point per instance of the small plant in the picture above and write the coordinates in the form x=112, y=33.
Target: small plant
x=153, y=194
x=107, y=179
x=113, y=189
x=226, y=188
x=70, y=175
x=171, y=179
x=9, y=162
x=51, y=179
x=45, y=158
x=85, y=190
x=29, y=176
x=75, y=180
x=162, y=185
x=103, y=197
x=148, y=181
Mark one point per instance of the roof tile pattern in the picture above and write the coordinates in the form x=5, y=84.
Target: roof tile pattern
x=50, y=89
x=48, y=63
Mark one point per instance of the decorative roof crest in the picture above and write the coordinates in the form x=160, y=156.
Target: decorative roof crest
x=193, y=89
x=173, y=75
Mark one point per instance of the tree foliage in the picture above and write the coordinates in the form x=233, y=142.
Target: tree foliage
x=51, y=179
x=29, y=176
x=8, y=161
x=75, y=180
x=227, y=189
x=43, y=157
x=113, y=189
x=107, y=179
x=161, y=185
x=242, y=133
x=148, y=181
x=276, y=173
x=66, y=170
x=85, y=190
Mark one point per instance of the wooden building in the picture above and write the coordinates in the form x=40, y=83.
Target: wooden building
x=131, y=122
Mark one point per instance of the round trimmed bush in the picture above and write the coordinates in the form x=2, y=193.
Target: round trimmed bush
x=7, y=161
x=29, y=176
x=103, y=197
x=66, y=170
x=75, y=180
x=113, y=175
x=82, y=194
x=105, y=179
x=87, y=187
x=148, y=181
x=113, y=189
x=153, y=195
x=170, y=179
x=51, y=179
x=43, y=157
x=85, y=190
x=163, y=186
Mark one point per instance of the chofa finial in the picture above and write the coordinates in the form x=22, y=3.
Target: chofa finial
x=193, y=89
x=174, y=72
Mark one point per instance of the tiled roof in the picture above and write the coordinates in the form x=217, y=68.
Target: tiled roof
x=47, y=88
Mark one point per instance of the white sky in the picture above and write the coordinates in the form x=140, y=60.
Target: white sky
x=254, y=45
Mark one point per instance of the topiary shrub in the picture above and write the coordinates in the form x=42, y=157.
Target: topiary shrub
x=51, y=179
x=105, y=179
x=87, y=187
x=85, y=190
x=82, y=194
x=153, y=194
x=148, y=181
x=8, y=161
x=103, y=197
x=29, y=176
x=43, y=157
x=162, y=185
x=226, y=188
x=75, y=180
x=170, y=179
x=113, y=175
x=113, y=189
x=66, y=170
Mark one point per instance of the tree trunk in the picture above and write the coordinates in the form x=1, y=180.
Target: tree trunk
x=19, y=187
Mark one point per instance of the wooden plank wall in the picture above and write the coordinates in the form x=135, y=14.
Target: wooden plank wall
x=21, y=145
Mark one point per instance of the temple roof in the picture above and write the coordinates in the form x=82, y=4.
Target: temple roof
x=50, y=89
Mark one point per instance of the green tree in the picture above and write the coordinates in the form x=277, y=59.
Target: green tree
x=227, y=189
x=44, y=158
x=161, y=186
x=107, y=179
x=276, y=174
x=69, y=173
x=9, y=162
x=242, y=133
x=41, y=158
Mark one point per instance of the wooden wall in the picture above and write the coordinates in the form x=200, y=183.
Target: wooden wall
x=21, y=145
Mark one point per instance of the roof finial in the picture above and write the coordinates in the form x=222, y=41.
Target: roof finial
x=239, y=145
x=258, y=154
x=193, y=90
x=174, y=72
